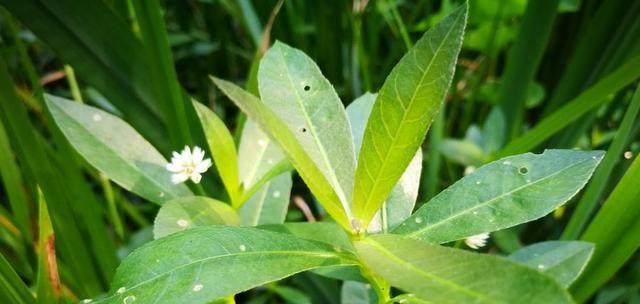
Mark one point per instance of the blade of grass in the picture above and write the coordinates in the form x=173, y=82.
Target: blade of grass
x=110, y=58
x=13, y=289
x=616, y=233
x=588, y=203
x=591, y=98
x=12, y=181
x=522, y=64
x=30, y=150
x=48, y=285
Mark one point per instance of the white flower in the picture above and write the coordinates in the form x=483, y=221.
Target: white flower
x=477, y=241
x=187, y=165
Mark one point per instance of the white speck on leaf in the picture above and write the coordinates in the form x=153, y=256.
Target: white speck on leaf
x=182, y=223
x=276, y=194
x=418, y=220
x=121, y=290
x=197, y=287
x=161, y=194
x=87, y=301
x=129, y=299
x=270, y=161
x=187, y=165
x=540, y=266
x=478, y=182
x=262, y=142
x=243, y=248
x=506, y=162
x=96, y=117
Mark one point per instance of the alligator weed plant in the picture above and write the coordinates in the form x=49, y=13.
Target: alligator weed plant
x=362, y=164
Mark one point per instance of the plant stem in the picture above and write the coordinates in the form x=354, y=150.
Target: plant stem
x=73, y=83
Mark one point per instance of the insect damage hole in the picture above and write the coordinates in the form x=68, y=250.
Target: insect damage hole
x=307, y=88
x=523, y=170
x=302, y=130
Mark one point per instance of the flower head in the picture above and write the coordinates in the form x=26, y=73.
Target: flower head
x=477, y=241
x=188, y=165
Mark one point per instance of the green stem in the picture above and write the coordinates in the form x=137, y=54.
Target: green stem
x=73, y=83
x=111, y=205
x=403, y=30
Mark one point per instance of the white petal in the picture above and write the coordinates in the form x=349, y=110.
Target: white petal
x=179, y=178
x=196, y=177
x=174, y=167
x=186, y=154
x=477, y=241
x=198, y=154
x=203, y=166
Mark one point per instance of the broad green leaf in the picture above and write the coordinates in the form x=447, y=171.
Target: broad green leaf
x=116, y=149
x=357, y=293
x=223, y=150
x=330, y=234
x=278, y=130
x=203, y=264
x=260, y=159
x=270, y=204
x=48, y=285
x=615, y=231
x=562, y=260
x=446, y=275
x=399, y=205
x=293, y=87
x=258, y=154
x=405, y=107
x=193, y=211
x=502, y=194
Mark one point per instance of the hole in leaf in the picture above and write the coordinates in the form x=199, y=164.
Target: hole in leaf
x=302, y=130
x=307, y=88
x=523, y=170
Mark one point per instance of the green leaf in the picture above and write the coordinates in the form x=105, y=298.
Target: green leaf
x=13, y=288
x=447, y=275
x=400, y=202
x=502, y=194
x=406, y=105
x=562, y=260
x=203, y=264
x=48, y=285
x=278, y=130
x=463, y=152
x=293, y=87
x=116, y=149
x=193, y=211
x=357, y=293
x=328, y=233
x=616, y=233
x=270, y=204
x=259, y=159
x=223, y=150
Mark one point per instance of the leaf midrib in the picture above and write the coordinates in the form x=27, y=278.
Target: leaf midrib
x=273, y=252
x=427, y=275
x=404, y=116
x=312, y=128
x=483, y=204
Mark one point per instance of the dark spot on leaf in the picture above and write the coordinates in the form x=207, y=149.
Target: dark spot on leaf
x=303, y=130
x=523, y=170
x=307, y=88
